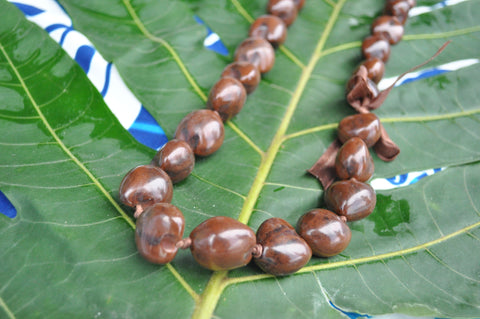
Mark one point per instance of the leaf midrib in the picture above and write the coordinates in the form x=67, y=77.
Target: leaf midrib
x=217, y=283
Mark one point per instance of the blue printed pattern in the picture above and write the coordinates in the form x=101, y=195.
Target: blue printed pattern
x=425, y=9
x=212, y=40
x=403, y=179
x=427, y=72
x=6, y=207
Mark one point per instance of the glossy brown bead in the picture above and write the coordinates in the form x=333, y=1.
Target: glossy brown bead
x=398, y=9
x=389, y=27
x=146, y=185
x=222, y=243
x=245, y=72
x=325, y=232
x=157, y=231
x=353, y=199
x=363, y=125
x=176, y=158
x=283, y=250
x=203, y=130
x=375, y=68
x=354, y=160
x=227, y=97
x=269, y=27
x=257, y=51
x=286, y=10
x=376, y=46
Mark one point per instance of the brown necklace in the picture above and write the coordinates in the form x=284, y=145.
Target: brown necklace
x=223, y=243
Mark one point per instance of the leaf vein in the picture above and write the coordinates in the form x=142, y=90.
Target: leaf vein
x=60, y=142
x=168, y=47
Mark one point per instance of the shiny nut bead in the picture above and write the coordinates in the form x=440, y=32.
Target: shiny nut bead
x=202, y=130
x=286, y=10
x=283, y=250
x=389, y=27
x=257, y=51
x=325, y=232
x=245, y=72
x=144, y=186
x=269, y=27
x=354, y=161
x=227, y=97
x=353, y=199
x=375, y=68
x=376, y=46
x=369, y=92
x=158, y=229
x=363, y=125
x=398, y=8
x=176, y=158
x=222, y=243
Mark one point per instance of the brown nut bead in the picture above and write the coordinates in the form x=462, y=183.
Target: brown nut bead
x=376, y=46
x=369, y=92
x=158, y=229
x=144, y=186
x=398, y=8
x=227, y=97
x=203, y=130
x=325, y=232
x=388, y=26
x=257, y=51
x=286, y=10
x=176, y=158
x=375, y=68
x=269, y=27
x=245, y=72
x=354, y=161
x=363, y=125
x=353, y=199
x=222, y=243
x=283, y=250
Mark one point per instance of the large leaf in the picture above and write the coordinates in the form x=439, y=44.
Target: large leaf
x=70, y=250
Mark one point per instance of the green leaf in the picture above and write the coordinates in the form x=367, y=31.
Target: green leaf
x=70, y=251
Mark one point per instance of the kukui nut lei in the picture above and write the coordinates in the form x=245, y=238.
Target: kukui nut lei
x=223, y=243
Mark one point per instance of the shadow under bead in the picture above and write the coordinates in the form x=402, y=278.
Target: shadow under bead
x=176, y=158
x=271, y=28
x=354, y=161
x=158, y=229
x=283, y=250
x=287, y=10
x=325, y=232
x=363, y=125
x=227, y=97
x=353, y=199
x=203, y=130
x=245, y=72
x=257, y=51
x=222, y=243
x=144, y=186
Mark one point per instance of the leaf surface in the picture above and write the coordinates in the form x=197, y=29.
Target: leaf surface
x=70, y=251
